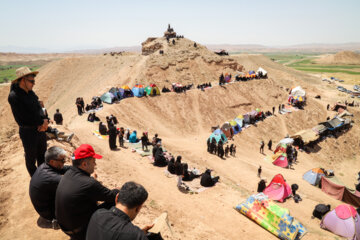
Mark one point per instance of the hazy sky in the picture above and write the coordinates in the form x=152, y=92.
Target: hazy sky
x=81, y=24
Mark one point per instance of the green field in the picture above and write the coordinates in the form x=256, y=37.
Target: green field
x=7, y=72
x=305, y=62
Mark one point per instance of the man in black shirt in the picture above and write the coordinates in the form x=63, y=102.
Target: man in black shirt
x=115, y=223
x=29, y=116
x=78, y=193
x=58, y=117
x=44, y=183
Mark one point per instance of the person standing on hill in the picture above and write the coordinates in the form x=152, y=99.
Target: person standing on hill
x=259, y=171
x=262, y=144
x=29, y=116
x=144, y=141
x=273, y=110
x=270, y=144
x=78, y=105
x=58, y=117
x=112, y=136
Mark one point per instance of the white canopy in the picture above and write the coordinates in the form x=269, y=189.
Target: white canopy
x=298, y=91
x=264, y=72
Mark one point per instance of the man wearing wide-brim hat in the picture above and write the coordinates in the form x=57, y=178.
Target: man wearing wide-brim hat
x=29, y=116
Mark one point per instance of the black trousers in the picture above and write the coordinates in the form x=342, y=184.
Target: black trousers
x=112, y=141
x=79, y=108
x=34, y=143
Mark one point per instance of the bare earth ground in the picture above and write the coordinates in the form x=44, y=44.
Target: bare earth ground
x=183, y=121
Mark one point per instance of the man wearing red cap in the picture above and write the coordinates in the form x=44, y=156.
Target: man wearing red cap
x=78, y=193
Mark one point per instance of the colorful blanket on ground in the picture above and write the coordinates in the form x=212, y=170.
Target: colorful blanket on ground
x=96, y=133
x=272, y=217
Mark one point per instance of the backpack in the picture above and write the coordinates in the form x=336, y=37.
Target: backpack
x=320, y=210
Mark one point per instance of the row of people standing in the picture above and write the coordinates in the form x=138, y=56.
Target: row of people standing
x=218, y=148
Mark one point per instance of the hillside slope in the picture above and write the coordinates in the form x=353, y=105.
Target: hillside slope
x=183, y=121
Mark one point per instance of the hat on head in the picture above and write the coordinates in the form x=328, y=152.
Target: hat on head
x=22, y=72
x=85, y=151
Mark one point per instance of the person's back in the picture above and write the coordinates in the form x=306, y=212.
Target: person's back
x=116, y=223
x=171, y=166
x=102, y=129
x=206, y=179
x=42, y=190
x=77, y=194
x=58, y=118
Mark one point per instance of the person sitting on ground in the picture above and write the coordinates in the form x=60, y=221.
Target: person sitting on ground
x=53, y=133
x=261, y=185
x=227, y=149
x=160, y=160
x=320, y=210
x=102, y=129
x=78, y=194
x=207, y=180
x=88, y=107
x=115, y=223
x=179, y=171
x=144, y=141
x=188, y=175
x=44, y=183
x=133, y=137
x=171, y=166
x=58, y=117
x=91, y=117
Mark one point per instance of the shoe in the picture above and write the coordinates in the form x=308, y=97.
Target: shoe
x=70, y=137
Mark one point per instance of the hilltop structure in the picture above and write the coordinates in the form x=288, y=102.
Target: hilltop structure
x=169, y=33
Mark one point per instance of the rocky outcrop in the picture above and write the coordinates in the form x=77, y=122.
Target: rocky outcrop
x=149, y=46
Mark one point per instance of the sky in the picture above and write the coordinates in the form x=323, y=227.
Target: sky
x=65, y=25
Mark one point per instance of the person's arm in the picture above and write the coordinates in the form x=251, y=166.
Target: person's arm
x=102, y=193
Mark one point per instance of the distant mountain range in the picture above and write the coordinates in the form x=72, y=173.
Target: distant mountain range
x=249, y=48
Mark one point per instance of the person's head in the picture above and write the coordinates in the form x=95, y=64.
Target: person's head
x=55, y=157
x=178, y=159
x=85, y=158
x=25, y=78
x=107, y=117
x=57, y=110
x=156, y=135
x=185, y=167
x=131, y=198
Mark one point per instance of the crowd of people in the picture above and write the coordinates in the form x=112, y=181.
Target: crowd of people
x=68, y=197
x=217, y=148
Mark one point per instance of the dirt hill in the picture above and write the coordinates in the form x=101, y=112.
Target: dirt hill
x=344, y=57
x=183, y=121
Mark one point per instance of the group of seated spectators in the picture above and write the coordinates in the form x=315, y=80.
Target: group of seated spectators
x=204, y=85
x=181, y=170
x=92, y=117
x=180, y=89
x=71, y=198
x=96, y=103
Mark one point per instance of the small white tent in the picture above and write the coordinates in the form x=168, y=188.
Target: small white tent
x=298, y=91
x=263, y=71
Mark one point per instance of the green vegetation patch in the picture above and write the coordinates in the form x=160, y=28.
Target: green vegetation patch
x=7, y=72
x=305, y=62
